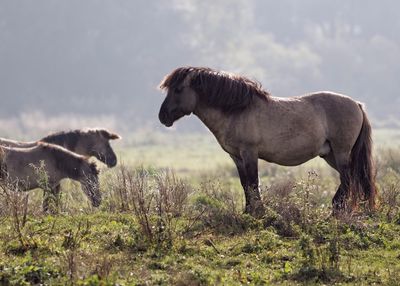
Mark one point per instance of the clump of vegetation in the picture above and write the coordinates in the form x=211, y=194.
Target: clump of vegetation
x=215, y=208
x=157, y=200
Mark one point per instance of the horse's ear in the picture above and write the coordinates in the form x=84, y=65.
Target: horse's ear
x=114, y=136
x=109, y=135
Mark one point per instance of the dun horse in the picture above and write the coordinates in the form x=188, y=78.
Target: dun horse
x=91, y=142
x=20, y=167
x=249, y=124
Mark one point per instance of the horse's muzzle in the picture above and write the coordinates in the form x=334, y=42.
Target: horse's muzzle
x=164, y=118
x=168, y=124
x=111, y=162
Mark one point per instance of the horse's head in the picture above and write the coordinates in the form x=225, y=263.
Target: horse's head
x=99, y=146
x=90, y=183
x=181, y=99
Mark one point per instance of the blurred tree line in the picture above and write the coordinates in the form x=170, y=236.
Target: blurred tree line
x=107, y=57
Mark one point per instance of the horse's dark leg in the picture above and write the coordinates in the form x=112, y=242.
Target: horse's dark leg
x=254, y=205
x=46, y=200
x=243, y=178
x=339, y=201
x=330, y=159
x=57, y=197
x=51, y=195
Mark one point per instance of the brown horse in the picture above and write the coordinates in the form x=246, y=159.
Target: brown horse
x=45, y=165
x=91, y=142
x=249, y=124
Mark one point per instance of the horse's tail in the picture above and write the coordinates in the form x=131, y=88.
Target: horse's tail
x=362, y=171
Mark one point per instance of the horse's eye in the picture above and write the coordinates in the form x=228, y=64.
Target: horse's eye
x=178, y=89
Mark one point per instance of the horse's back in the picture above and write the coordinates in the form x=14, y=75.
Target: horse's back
x=293, y=130
x=332, y=102
x=18, y=144
x=300, y=128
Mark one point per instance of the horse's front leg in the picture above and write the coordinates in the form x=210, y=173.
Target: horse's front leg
x=243, y=179
x=254, y=204
x=52, y=195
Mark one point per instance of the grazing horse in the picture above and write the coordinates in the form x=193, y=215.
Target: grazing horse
x=250, y=124
x=91, y=142
x=21, y=167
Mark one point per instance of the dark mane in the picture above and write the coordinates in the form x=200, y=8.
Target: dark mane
x=66, y=160
x=228, y=92
x=67, y=139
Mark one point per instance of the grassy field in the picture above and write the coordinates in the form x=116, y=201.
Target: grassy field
x=172, y=215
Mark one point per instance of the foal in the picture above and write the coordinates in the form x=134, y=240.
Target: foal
x=22, y=167
x=90, y=142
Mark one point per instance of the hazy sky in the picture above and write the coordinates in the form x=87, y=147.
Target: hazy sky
x=103, y=59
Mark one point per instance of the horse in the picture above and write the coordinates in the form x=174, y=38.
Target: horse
x=90, y=142
x=250, y=124
x=45, y=165
x=87, y=142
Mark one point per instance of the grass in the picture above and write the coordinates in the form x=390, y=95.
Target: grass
x=186, y=227
x=110, y=251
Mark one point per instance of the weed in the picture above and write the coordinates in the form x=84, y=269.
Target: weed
x=16, y=205
x=71, y=243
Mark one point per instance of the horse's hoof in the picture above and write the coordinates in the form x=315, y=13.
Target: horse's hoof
x=256, y=211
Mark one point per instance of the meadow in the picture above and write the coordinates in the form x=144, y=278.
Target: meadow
x=172, y=215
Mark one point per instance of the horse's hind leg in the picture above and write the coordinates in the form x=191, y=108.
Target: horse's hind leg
x=340, y=162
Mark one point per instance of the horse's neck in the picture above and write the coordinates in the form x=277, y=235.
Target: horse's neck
x=68, y=141
x=78, y=144
x=69, y=168
x=213, y=118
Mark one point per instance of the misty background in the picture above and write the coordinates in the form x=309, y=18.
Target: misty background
x=73, y=63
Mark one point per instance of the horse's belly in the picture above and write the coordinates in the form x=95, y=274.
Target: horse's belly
x=288, y=160
x=288, y=155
